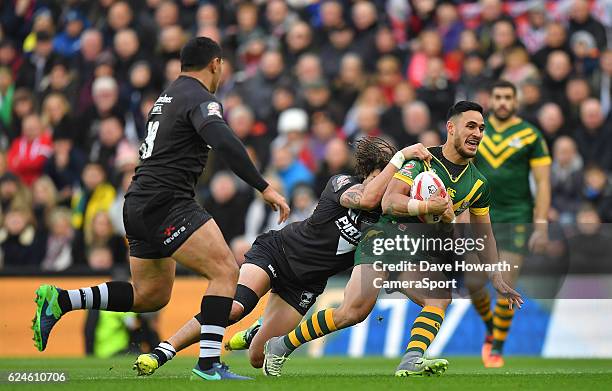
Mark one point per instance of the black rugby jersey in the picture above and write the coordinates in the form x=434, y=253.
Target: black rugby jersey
x=324, y=244
x=186, y=122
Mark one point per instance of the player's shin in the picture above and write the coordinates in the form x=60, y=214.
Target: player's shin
x=110, y=296
x=423, y=332
x=502, y=320
x=215, y=314
x=482, y=305
x=319, y=324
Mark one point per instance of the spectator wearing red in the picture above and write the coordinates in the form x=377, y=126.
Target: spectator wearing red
x=28, y=153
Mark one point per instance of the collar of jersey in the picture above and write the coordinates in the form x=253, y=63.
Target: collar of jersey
x=449, y=174
x=501, y=127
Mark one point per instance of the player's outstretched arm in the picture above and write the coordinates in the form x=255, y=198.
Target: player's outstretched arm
x=368, y=196
x=223, y=140
x=481, y=224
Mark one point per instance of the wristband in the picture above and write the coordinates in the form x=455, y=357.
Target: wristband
x=541, y=221
x=413, y=207
x=397, y=160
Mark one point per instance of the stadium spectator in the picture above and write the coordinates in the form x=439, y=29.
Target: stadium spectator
x=602, y=82
x=472, y=77
x=65, y=165
x=351, y=80
x=552, y=123
x=391, y=118
x=28, y=153
x=533, y=33
x=292, y=128
x=44, y=201
x=364, y=18
x=566, y=180
x=96, y=240
x=12, y=192
x=37, y=64
x=68, y=41
x=556, y=75
x=95, y=195
x=7, y=91
x=336, y=161
x=531, y=100
x=416, y=119
x=289, y=169
x=555, y=39
x=303, y=202
x=20, y=243
x=105, y=92
x=59, y=254
x=226, y=202
x=597, y=190
x=437, y=92
x=332, y=52
x=581, y=20
x=23, y=105
x=56, y=116
x=593, y=136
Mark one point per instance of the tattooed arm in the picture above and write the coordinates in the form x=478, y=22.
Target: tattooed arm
x=367, y=195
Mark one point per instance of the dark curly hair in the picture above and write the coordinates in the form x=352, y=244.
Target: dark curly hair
x=371, y=153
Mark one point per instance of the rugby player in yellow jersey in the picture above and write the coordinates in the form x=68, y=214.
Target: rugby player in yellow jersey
x=452, y=163
x=511, y=150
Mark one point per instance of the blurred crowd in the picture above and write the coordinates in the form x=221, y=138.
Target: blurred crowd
x=302, y=80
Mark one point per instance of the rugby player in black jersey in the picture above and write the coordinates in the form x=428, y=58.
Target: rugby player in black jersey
x=164, y=223
x=296, y=261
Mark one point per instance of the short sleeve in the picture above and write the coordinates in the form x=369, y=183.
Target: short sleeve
x=338, y=184
x=206, y=113
x=539, y=154
x=409, y=171
x=482, y=202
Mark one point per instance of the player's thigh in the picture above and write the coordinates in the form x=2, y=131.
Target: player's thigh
x=279, y=319
x=255, y=278
x=206, y=253
x=360, y=296
x=152, y=280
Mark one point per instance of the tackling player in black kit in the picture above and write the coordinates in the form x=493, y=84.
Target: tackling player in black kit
x=164, y=223
x=295, y=262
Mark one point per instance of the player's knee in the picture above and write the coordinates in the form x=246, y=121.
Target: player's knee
x=351, y=315
x=150, y=300
x=256, y=358
x=439, y=303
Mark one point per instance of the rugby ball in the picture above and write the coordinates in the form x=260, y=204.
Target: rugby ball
x=424, y=186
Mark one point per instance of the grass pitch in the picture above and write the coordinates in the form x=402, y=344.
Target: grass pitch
x=345, y=374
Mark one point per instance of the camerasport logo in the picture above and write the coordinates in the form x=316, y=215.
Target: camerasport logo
x=172, y=233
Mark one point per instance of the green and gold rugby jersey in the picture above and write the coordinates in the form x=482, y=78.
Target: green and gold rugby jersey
x=468, y=188
x=505, y=156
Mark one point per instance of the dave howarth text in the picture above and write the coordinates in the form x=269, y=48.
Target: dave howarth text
x=425, y=266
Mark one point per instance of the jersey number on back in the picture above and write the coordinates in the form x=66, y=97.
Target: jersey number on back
x=146, y=149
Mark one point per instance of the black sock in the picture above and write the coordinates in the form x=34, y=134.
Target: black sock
x=117, y=296
x=215, y=312
x=164, y=352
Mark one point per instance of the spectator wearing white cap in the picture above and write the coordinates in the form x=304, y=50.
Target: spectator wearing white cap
x=293, y=133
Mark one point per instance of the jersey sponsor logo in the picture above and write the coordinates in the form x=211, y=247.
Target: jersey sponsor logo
x=348, y=229
x=157, y=109
x=214, y=108
x=405, y=170
x=340, y=181
x=272, y=270
x=451, y=192
x=164, y=99
x=172, y=233
x=306, y=298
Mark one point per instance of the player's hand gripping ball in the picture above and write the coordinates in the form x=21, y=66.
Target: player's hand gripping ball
x=427, y=185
